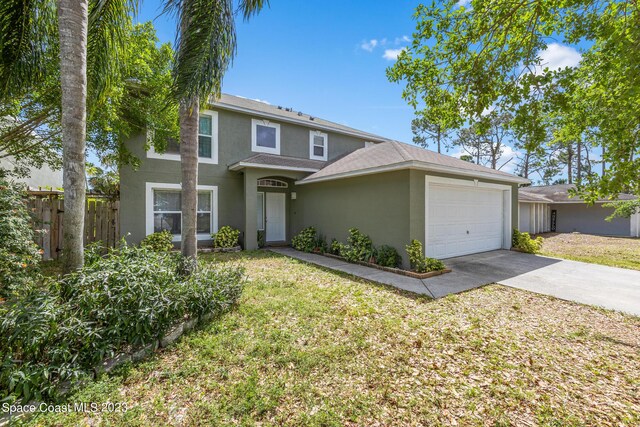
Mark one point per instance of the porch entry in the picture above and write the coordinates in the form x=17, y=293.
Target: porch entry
x=275, y=217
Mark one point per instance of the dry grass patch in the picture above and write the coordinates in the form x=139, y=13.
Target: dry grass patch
x=310, y=347
x=613, y=251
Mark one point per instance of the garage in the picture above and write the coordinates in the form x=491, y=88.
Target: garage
x=465, y=216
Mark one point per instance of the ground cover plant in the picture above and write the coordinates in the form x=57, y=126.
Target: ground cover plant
x=310, y=347
x=59, y=331
x=525, y=243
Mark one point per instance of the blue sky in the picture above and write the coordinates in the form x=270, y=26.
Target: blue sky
x=310, y=56
x=329, y=59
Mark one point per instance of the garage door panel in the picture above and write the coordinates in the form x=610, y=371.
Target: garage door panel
x=463, y=220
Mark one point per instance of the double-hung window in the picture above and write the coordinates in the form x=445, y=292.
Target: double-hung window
x=318, y=145
x=207, y=141
x=164, y=210
x=265, y=137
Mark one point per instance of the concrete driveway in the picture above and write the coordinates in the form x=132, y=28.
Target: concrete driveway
x=609, y=287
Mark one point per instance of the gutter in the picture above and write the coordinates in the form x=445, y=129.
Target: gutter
x=413, y=164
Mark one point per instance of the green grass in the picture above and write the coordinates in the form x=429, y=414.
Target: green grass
x=623, y=252
x=309, y=347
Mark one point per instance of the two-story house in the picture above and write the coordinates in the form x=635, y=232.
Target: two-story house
x=277, y=170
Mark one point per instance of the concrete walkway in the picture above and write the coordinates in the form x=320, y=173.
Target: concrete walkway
x=609, y=287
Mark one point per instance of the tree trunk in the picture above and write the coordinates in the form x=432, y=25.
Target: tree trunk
x=189, y=165
x=579, y=163
x=604, y=166
x=439, y=136
x=570, y=163
x=526, y=165
x=73, y=22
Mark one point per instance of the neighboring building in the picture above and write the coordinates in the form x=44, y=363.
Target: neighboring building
x=37, y=178
x=267, y=168
x=549, y=208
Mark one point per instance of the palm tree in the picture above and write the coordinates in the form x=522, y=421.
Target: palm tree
x=87, y=34
x=205, y=46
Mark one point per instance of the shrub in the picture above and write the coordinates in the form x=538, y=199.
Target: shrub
x=419, y=262
x=305, y=240
x=388, y=256
x=19, y=255
x=525, y=243
x=226, y=237
x=359, y=246
x=160, y=241
x=335, y=247
x=261, y=239
x=321, y=244
x=126, y=299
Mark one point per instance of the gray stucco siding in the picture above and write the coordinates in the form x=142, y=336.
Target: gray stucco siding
x=579, y=217
x=378, y=205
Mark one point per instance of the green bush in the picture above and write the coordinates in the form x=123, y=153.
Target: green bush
x=525, y=243
x=226, y=237
x=321, y=244
x=388, y=256
x=335, y=247
x=161, y=241
x=419, y=263
x=19, y=255
x=359, y=246
x=261, y=239
x=305, y=240
x=125, y=299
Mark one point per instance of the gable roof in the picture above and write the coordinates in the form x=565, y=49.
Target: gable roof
x=283, y=114
x=559, y=193
x=394, y=155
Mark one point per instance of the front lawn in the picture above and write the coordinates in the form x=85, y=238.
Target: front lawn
x=307, y=346
x=613, y=251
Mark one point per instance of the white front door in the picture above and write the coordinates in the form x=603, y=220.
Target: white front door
x=463, y=220
x=276, y=219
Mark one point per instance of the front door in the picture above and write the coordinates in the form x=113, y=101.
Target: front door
x=276, y=219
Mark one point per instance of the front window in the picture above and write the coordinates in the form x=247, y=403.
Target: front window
x=265, y=137
x=167, y=211
x=318, y=148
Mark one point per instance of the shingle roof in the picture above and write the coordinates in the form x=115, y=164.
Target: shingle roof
x=531, y=197
x=396, y=155
x=260, y=108
x=559, y=193
x=283, y=162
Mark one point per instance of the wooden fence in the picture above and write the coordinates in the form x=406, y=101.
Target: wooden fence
x=101, y=222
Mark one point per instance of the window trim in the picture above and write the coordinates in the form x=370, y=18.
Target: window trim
x=151, y=186
x=254, y=136
x=152, y=154
x=325, y=137
x=263, y=213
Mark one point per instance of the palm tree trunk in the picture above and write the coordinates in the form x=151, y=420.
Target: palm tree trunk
x=189, y=165
x=73, y=22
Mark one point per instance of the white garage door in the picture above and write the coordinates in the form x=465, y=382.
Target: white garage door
x=463, y=220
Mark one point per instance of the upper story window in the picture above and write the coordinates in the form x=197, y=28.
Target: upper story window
x=207, y=141
x=318, y=145
x=265, y=137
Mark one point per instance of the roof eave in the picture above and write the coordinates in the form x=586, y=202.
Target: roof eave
x=241, y=165
x=413, y=164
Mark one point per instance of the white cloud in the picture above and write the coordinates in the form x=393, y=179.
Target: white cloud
x=392, y=54
x=508, y=162
x=403, y=39
x=369, y=45
x=465, y=3
x=557, y=56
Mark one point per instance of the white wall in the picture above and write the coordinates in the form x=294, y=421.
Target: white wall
x=534, y=218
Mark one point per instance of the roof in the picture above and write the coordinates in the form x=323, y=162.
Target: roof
x=263, y=109
x=559, y=193
x=394, y=155
x=272, y=161
x=531, y=197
